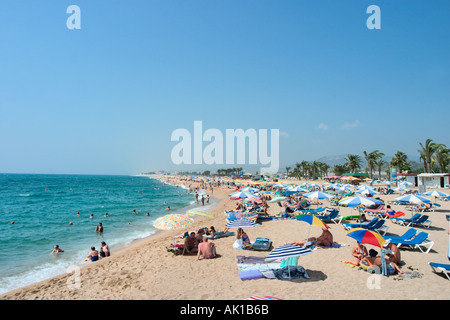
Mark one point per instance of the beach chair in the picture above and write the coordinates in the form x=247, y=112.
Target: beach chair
x=349, y=226
x=423, y=221
x=378, y=227
x=442, y=267
x=333, y=216
x=408, y=235
x=406, y=221
x=419, y=241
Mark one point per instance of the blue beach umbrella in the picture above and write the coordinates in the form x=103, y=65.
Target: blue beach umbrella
x=436, y=193
x=411, y=198
x=287, y=251
x=359, y=201
x=317, y=195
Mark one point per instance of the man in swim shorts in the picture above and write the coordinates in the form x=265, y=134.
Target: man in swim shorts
x=190, y=244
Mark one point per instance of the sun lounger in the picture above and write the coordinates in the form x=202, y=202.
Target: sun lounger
x=349, y=226
x=442, y=267
x=419, y=241
x=408, y=235
x=221, y=235
x=406, y=221
x=318, y=210
x=379, y=226
x=423, y=221
x=377, y=209
x=333, y=216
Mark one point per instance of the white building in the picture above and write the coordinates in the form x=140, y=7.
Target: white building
x=433, y=180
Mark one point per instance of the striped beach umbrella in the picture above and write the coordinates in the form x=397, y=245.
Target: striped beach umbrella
x=436, y=193
x=359, y=201
x=365, y=236
x=318, y=195
x=241, y=223
x=242, y=195
x=411, y=198
x=287, y=251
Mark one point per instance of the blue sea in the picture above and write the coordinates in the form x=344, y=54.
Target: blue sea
x=43, y=206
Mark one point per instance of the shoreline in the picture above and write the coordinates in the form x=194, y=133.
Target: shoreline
x=144, y=270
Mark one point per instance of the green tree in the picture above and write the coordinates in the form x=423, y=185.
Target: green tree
x=353, y=162
x=427, y=152
x=371, y=159
x=442, y=156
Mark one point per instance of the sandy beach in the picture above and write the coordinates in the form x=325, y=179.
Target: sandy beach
x=147, y=271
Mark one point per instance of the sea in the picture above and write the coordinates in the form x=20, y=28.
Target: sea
x=39, y=211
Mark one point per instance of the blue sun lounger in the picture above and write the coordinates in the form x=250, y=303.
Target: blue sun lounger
x=442, y=267
x=419, y=241
x=407, y=221
x=408, y=235
x=349, y=226
x=332, y=216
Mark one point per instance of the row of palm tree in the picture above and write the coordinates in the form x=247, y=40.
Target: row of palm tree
x=430, y=152
x=309, y=170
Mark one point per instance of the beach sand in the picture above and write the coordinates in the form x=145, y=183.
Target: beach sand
x=147, y=271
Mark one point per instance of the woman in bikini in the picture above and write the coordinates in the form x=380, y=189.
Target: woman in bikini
x=358, y=252
x=245, y=239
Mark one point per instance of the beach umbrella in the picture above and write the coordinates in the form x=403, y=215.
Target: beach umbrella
x=365, y=236
x=172, y=222
x=407, y=183
x=287, y=251
x=367, y=191
x=411, y=198
x=317, y=195
x=292, y=190
x=277, y=199
x=312, y=221
x=249, y=190
x=242, y=195
x=241, y=223
x=359, y=201
x=436, y=193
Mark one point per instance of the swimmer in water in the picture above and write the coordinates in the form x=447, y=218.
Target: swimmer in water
x=57, y=249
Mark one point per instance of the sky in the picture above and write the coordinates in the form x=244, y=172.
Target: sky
x=105, y=98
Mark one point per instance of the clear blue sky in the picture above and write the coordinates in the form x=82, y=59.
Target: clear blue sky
x=106, y=98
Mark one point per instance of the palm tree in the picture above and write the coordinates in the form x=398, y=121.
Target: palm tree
x=428, y=150
x=340, y=169
x=371, y=158
x=324, y=169
x=353, y=162
x=442, y=155
x=287, y=171
x=305, y=167
x=379, y=164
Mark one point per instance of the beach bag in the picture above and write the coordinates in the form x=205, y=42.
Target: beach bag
x=237, y=244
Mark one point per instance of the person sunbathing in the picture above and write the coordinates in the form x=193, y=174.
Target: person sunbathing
x=359, y=251
x=324, y=240
x=206, y=249
x=213, y=232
